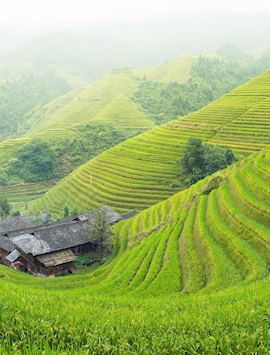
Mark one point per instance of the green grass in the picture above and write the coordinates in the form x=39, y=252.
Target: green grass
x=189, y=275
x=139, y=172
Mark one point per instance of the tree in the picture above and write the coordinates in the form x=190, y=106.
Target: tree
x=202, y=159
x=193, y=161
x=100, y=232
x=74, y=214
x=66, y=212
x=5, y=208
x=35, y=161
x=230, y=158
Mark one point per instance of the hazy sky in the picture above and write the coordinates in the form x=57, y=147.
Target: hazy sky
x=58, y=14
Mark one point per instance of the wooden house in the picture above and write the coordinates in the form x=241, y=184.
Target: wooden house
x=5, y=247
x=15, y=223
x=51, y=249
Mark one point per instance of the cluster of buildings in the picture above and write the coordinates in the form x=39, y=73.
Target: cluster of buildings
x=49, y=249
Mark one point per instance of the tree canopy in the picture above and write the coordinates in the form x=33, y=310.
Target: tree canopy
x=35, y=161
x=202, y=159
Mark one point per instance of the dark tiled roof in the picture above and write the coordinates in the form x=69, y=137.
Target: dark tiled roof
x=60, y=235
x=112, y=216
x=128, y=215
x=47, y=240
x=15, y=223
x=5, y=244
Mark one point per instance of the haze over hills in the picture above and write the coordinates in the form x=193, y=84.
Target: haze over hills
x=53, y=64
x=134, y=177
x=239, y=120
x=85, y=103
x=153, y=118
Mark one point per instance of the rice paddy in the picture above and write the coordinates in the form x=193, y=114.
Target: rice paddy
x=139, y=172
x=189, y=275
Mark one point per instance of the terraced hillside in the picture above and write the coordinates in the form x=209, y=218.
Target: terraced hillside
x=19, y=194
x=188, y=275
x=105, y=103
x=99, y=101
x=107, y=100
x=139, y=172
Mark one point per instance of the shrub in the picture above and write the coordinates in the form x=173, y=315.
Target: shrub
x=5, y=208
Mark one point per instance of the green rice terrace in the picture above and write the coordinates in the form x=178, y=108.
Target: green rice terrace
x=105, y=105
x=85, y=122
x=189, y=275
x=142, y=170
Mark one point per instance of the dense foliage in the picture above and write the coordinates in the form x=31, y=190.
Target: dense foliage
x=20, y=97
x=209, y=79
x=100, y=233
x=35, y=162
x=42, y=160
x=201, y=159
x=86, y=142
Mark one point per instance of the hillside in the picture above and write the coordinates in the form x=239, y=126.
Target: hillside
x=143, y=170
x=23, y=95
x=177, y=70
x=195, y=266
x=101, y=114
x=98, y=101
x=85, y=122
x=35, y=74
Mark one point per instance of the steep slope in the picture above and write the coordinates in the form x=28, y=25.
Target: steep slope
x=21, y=96
x=105, y=103
x=90, y=103
x=139, y=172
x=81, y=106
x=209, y=237
x=195, y=266
x=177, y=70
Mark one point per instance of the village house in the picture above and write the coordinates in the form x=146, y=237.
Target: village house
x=15, y=223
x=51, y=249
x=5, y=246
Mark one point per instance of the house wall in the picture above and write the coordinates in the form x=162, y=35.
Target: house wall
x=35, y=267
x=57, y=270
x=3, y=253
x=83, y=249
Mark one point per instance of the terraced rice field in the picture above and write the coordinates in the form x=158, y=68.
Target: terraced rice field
x=20, y=194
x=189, y=275
x=9, y=149
x=138, y=173
x=105, y=102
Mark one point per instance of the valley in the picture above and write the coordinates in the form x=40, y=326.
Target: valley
x=135, y=183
